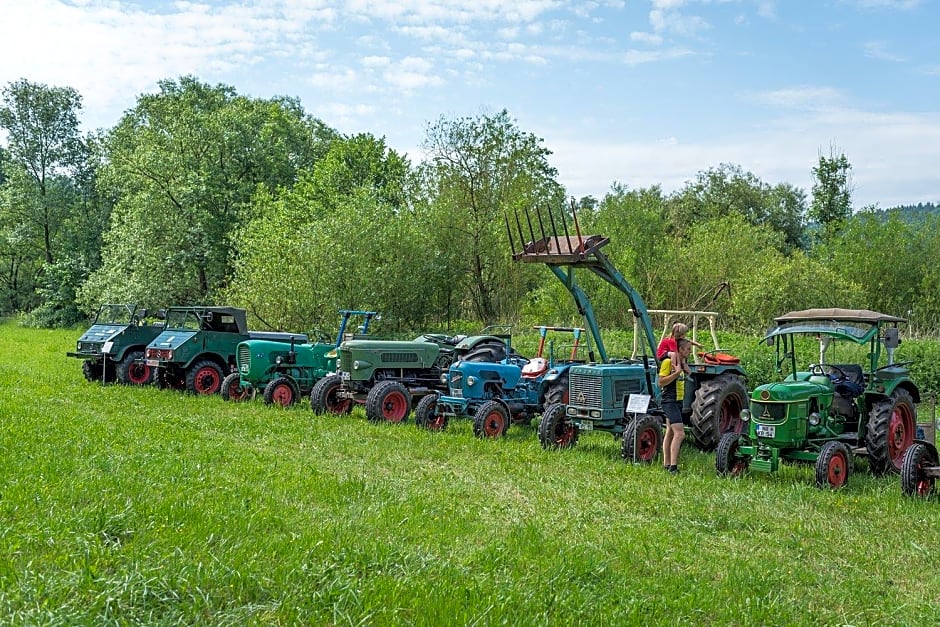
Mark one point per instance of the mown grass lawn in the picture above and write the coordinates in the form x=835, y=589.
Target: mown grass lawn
x=128, y=505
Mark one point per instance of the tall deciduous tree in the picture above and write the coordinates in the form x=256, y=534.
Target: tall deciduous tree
x=481, y=167
x=183, y=165
x=832, y=192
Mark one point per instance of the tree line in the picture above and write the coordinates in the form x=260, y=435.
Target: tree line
x=199, y=195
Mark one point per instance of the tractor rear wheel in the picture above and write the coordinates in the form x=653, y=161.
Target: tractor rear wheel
x=557, y=392
x=491, y=420
x=234, y=390
x=92, y=370
x=833, y=466
x=716, y=410
x=890, y=432
x=204, y=377
x=556, y=430
x=281, y=391
x=427, y=416
x=914, y=481
x=728, y=462
x=487, y=350
x=133, y=371
x=642, y=439
x=388, y=401
x=323, y=397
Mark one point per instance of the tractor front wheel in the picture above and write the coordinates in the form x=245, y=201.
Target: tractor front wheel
x=324, y=398
x=556, y=430
x=204, y=377
x=491, y=420
x=833, y=466
x=427, y=416
x=642, y=439
x=716, y=410
x=133, y=371
x=388, y=401
x=890, y=433
x=728, y=461
x=914, y=479
x=234, y=390
x=280, y=391
x=91, y=368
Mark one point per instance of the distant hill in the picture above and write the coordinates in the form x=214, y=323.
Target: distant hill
x=910, y=213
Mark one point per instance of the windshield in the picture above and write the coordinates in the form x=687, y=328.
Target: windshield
x=182, y=319
x=114, y=314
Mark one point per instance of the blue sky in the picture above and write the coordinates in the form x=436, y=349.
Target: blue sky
x=640, y=92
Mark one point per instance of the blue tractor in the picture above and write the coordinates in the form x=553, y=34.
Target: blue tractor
x=495, y=394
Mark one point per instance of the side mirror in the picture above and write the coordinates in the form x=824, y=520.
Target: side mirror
x=892, y=338
x=161, y=314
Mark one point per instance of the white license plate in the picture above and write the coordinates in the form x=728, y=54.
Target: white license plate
x=344, y=375
x=586, y=426
x=153, y=362
x=766, y=431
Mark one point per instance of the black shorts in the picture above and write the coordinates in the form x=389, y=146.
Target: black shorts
x=673, y=412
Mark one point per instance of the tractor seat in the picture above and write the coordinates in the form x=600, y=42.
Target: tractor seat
x=854, y=382
x=535, y=368
x=719, y=359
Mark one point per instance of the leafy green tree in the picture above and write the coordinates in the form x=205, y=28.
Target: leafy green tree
x=728, y=189
x=832, y=193
x=479, y=169
x=183, y=165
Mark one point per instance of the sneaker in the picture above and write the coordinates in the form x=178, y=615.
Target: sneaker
x=674, y=470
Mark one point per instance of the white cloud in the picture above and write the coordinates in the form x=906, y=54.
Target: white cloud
x=646, y=38
x=879, y=50
x=411, y=73
x=806, y=97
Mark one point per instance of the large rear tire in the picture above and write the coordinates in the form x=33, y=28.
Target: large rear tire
x=487, y=350
x=388, y=401
x=556, y=430
x=914, y=481
x=324, y=399
x=890, y=432
x=716, y=410
x=642, y=439
x=281, y=391
x=133, y=371
x=204, y=377
x=427, y=416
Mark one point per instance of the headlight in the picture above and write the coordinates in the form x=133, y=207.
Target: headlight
x=595, y=413
x=471, y=380
x=814, y=418
x=356, y=365
x=278, y=360
x=745, y=415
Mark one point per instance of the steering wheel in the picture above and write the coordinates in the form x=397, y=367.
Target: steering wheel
x=835, y=373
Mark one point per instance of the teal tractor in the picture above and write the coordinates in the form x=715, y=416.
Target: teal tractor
x=615, y=396
x=113, y=347
x=287, y=372
x=833, y=409
x=495, y=394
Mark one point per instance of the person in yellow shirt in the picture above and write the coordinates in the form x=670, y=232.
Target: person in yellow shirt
x=672, y=371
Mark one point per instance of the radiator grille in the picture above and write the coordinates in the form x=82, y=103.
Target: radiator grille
x=585, y=391
x=244, y=358
x=399, y=357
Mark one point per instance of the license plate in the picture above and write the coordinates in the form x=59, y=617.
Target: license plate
x=766, y=431
x=153, y=362
x=344, y=375
x=586, y=426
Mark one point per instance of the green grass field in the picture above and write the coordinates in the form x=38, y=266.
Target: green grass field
x=128, y=505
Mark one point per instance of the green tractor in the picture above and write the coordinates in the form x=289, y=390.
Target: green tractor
x=196, y=349
x=386, y=376
x=285, y=372
x=835, y=408
x=620, y=397
x=113, y=347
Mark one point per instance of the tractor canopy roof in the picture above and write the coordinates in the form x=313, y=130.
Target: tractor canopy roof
x=854, y=325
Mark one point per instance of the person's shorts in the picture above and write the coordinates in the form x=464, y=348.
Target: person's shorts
x=673, y=413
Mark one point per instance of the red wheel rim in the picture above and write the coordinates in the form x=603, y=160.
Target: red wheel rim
x=564, y=433
x=394, y=406
x=731, y=415
x=436, y=422
x=900, y=434
x=207, y=381
x=646, y=444
x=138, y=374
x=923, y=485
x=283, y=395
x=336, y=405
x=837, y=473
x=238, y=392
x=494, y=424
